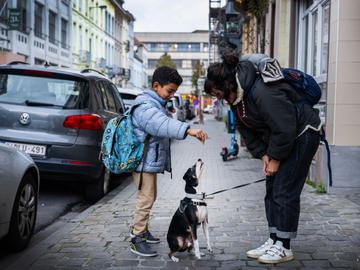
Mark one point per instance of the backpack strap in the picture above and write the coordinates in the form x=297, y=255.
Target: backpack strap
x=323, y=139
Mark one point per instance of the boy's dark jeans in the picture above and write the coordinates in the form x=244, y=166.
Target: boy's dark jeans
x=282, y=200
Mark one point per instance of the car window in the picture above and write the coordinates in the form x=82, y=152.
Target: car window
x=118, y=100
x=24, y=89
x=107, y=97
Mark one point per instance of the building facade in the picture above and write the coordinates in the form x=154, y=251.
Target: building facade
x=187, y=50
x=139, y=78
x=42, y=34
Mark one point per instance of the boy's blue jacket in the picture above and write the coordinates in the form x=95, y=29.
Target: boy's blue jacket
x=151, y=117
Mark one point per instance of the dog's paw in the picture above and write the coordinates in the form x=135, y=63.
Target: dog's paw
x=199, y=255
x=174, y=259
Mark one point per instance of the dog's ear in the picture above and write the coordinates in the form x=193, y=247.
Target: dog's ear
x=187, y=175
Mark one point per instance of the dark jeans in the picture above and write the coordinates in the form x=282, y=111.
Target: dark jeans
x=282, y=200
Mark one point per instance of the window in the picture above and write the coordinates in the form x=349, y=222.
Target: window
x=38, y=20
x=178, y=63
x=186, y=64
x=66, y=94
x=205, y=47
x=21, y=4
x=325, y=39
x=152, y=63
x=195, y=63
x=315, y=32
x=313, y=42
x=107, y=97
x=64, y=33
x=313, y=39
x=52, y=26
x=3, y=8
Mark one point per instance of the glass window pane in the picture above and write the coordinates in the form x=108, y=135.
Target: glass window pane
x=325, y=39
x=306, y=39
x=314, y=42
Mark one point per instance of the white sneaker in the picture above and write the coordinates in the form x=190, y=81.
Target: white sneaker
x=276, y=254
x=256, y=253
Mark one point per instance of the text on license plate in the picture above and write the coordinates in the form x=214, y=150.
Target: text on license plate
x=31, y=149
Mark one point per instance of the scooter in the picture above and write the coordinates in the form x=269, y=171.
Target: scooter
x=233, y=151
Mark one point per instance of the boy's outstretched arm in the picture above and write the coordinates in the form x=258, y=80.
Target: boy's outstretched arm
x=154, y=122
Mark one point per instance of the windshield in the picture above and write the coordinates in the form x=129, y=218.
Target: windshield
x=43, y=91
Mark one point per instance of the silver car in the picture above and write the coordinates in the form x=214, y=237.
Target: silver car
x=58, y=116
x=19, y=192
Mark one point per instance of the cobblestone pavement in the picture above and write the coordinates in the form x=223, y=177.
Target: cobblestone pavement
x=328, y=237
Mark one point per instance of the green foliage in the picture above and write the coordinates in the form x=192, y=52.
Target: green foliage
x=198, y=72
x=258, y=7
x=165, y=60
x=320, y=188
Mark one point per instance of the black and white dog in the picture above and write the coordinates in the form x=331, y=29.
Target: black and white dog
x=192, y=212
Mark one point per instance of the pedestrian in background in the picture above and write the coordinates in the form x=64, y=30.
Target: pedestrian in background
x=150, y=119
x=280, y=130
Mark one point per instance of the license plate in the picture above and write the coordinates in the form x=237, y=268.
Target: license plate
x=31, y=149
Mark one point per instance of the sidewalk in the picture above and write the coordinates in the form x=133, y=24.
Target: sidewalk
x=328, y=237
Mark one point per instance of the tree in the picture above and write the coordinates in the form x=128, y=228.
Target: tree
x=165, y=60
x=198, y=72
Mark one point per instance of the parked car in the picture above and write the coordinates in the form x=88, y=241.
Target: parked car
x=58, y=116
x=128, y=95
x=173, y=107
x=180, y=107
x=209, y=109
x=19, y=193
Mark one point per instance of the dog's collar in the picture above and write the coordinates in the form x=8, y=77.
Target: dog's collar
x=197, y=196
x=201, y=203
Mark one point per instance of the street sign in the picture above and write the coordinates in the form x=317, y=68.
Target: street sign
x=14, y=19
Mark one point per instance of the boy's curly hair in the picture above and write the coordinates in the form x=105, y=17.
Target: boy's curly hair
x=165, y=75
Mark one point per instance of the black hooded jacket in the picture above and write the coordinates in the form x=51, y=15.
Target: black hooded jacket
x=271, y=115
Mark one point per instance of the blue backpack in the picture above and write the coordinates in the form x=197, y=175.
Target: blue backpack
x=303, y=84
x=121, y=151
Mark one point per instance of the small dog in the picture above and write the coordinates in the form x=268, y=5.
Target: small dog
x=182, y=233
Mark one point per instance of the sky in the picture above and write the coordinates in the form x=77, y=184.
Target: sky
x=169, y=15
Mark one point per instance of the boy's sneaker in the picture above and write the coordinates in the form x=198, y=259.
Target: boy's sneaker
x=139, y=246
x=257, y=252
x=276, y=254
x=148, y=236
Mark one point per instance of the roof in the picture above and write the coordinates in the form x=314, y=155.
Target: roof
x=132, y=91
x=84, y=74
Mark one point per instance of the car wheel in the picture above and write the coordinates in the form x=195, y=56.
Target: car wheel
x=97, y=190
x=23, y=215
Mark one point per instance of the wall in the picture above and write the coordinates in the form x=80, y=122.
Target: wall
x=343, y=103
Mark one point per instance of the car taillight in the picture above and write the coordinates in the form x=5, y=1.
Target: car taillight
x=85, y=121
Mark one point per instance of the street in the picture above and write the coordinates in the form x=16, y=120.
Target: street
x=98, y=238
x=58, y=202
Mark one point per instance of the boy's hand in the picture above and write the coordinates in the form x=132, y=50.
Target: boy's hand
x=198, y=133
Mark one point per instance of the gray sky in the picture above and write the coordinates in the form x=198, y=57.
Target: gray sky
x=169, y=15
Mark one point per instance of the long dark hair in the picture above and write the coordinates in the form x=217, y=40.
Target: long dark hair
x=221, y=75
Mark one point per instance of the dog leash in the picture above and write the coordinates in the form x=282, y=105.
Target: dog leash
x=239, y=186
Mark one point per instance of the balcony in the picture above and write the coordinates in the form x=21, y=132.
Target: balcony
x=85, y=57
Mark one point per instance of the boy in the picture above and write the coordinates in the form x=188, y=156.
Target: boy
x=151, y=118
